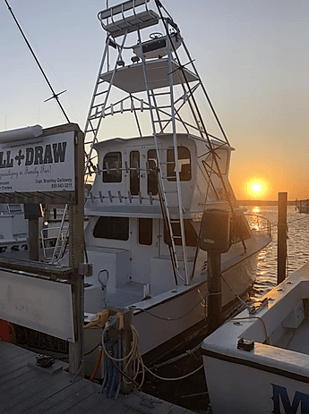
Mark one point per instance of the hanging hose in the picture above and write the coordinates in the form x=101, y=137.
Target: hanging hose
x=133, y=358
x=109, y=370
x=97, y=364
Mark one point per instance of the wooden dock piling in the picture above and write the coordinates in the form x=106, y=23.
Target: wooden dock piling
x=76, y=257
x=214, y=290
x=282, y=236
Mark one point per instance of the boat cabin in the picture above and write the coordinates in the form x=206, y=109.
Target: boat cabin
x=126, y=230
x=127, y=179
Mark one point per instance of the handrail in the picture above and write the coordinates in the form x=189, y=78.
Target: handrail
x=55, y=250
x=260, y=225
x=121, y=8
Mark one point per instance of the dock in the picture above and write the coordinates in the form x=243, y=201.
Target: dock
x=26, y=388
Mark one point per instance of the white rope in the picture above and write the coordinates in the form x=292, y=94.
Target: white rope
x=236, y=295
x=248, y=318
x=138, y=367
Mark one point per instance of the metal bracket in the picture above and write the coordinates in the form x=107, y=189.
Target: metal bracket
x=85, y=269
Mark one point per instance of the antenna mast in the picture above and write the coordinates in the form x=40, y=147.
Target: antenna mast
x=55, y=95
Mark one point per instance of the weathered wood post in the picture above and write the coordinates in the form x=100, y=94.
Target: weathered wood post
x=34, y=244
x=33, y=212
x=127, y=341
x=214, y=238
x=282, y=237
x=214, y=291
x=76, y=256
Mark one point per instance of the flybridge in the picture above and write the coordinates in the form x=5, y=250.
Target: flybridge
x=35, y=155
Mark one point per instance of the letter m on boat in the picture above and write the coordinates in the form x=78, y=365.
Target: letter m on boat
x=282, y=403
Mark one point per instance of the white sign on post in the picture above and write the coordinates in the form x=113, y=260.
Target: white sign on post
x=44, y=163
x=38, y=304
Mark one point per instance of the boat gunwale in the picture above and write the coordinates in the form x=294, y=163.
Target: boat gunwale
x=264, y=356
x=257, y=365
x=186, y=289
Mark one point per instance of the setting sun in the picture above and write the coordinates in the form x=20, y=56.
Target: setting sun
x=257, y=187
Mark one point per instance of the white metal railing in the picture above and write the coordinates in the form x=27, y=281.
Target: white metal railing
x=127, y=22
x=121, y=8
x=259, y=224
x=54, y=241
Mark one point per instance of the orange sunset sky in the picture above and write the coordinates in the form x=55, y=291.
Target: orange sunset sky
x=253, y=57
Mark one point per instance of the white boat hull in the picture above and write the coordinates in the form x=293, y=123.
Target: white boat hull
x=272, y=374
x=177, y=312
x=178, y=315
x=264, y=389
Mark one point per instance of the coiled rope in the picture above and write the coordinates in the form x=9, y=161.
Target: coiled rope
x=134, y=359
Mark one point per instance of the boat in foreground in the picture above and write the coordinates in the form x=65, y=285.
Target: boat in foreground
x=161, y=167
x=258, y=362
x=161, y=195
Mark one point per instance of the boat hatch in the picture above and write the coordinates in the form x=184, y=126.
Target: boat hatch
x=157, y=73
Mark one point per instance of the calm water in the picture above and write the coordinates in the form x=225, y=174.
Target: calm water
x=192, y=392
x=297, y=244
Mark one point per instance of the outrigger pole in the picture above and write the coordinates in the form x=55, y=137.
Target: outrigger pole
x=55, y=95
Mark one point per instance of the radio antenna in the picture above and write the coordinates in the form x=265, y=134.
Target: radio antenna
x=54, y=94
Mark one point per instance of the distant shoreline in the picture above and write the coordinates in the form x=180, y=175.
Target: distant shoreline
x=262, y=203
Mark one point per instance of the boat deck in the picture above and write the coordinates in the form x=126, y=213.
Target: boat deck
x=28, y=389
x=126, y=295
x=300, y=339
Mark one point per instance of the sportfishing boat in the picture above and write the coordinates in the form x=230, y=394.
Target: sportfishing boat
x=258, y=361
x=159, y=196
x=160, y=166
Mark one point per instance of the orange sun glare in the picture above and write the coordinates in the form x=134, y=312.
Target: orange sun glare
x=256, y=188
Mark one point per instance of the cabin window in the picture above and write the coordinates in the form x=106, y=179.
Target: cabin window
x=112, y=164
x=184, y=164
x=239, y=229
x=112, y=228
x=190, y=234
x=134, y=172
x=152, y=180
x=145, y=231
